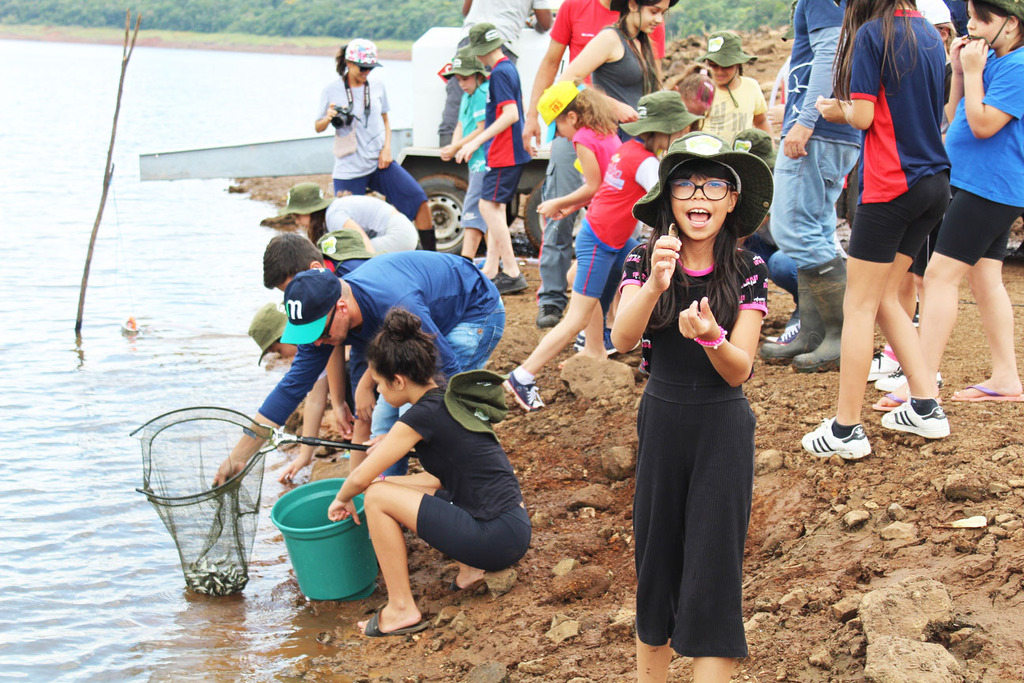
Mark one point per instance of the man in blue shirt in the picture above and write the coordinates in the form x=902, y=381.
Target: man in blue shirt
x=454, y=300
x=809, y=176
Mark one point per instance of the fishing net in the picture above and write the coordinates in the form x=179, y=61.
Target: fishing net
x=212, y=527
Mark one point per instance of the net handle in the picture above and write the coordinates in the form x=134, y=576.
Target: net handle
x=279, y=437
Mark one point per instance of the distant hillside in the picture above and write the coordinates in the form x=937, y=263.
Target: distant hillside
x=395, y=19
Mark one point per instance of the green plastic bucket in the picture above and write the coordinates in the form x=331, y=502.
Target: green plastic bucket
x=332, y=560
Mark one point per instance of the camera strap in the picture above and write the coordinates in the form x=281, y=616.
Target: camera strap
x=366, y=100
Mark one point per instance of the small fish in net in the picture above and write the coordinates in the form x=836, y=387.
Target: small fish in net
x=216, y=578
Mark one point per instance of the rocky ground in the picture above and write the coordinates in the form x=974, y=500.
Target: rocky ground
x=854, y=571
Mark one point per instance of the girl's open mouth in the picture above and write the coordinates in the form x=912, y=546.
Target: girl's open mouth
x=698, y=217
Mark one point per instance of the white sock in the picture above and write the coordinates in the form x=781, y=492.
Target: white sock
x=522, y=376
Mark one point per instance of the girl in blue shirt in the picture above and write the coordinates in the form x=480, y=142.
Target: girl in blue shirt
x=986, y=132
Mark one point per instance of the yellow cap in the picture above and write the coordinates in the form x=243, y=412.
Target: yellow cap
x=555, y=99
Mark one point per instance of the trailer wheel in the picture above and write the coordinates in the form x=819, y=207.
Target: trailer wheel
x=445, y=196
x=532, y=220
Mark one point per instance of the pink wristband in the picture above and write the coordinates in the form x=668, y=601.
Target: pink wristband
x=381, y=477
x=712, y=344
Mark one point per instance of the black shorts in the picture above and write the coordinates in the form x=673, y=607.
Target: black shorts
x=924, y=254
x=883, y=229
x=975, y=228
x=500, y=184
x=489, y=545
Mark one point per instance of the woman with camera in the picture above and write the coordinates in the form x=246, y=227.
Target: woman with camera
x=358, y=109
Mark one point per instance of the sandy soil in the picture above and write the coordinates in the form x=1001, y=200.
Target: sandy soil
x=801, y=562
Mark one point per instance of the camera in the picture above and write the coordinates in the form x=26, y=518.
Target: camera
x=343, y=117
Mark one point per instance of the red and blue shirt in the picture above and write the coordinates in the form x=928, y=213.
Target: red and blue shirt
x=904, y=142
x=506, y=148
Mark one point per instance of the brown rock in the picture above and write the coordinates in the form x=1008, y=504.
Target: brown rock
x=769, y=461
x=488, y=672
x=563, y=631
x=960, y=487
x=501, y=582
x=538, y=667
x=595, y=496
x=898, y=531
x=585, y=582
x=900, y=660
x=846, y=609
x=595, y=378
x=906, y=609
x=618, y=462
x=855, y=519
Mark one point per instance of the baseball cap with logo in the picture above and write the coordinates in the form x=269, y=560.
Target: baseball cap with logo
x=484, y=38
x=308, y=300
x=267, y=327
x=362, y=53
x=554, y=101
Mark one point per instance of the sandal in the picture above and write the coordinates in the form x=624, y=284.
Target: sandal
x=888, y=402
x=372, y=629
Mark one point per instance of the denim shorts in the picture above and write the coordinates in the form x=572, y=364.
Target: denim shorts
x=596, y=262
x=471, y=217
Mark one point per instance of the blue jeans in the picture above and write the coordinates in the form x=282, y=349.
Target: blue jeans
x=557, y=250
x=472, y=342
x=781, y=268
x=803, y=220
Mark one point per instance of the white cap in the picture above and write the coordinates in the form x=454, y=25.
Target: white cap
x=935, y=11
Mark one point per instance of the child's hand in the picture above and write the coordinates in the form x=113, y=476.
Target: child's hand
x=624, y=113
x=447, y=152
x=663, y=261
x=831, y=109
x=343, y=419
x=549, y=209
x=699, y=321
x=384, y=158
x=466, y=151
x=954, y=53
x=973, y=56
x=340, y=510
x=293, y=468
x=365, y=401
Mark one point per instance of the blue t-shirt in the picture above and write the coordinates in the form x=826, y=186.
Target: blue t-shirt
x=506, y=148
x=993, y=168
x=442, y=290
x=904, y=142
x=473, y=110
x=811, y=16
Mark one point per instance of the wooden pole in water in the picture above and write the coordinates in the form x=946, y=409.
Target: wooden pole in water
x=108, y=172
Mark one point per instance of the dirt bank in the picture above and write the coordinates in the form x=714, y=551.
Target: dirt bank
x=824, y=533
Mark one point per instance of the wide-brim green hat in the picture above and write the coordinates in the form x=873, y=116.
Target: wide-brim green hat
x=756, y=184
x=758, y=143
x=660, y=112
x=483, y=38
x=342, y=245
x=1013, y=7
x=305, y=198
x=725, y=48
x=465, y=64
x=267, y=327
x=476, y=400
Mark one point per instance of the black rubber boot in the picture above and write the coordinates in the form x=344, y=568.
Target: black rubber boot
x=428, y=240
x=812, y=330
x=827, y=287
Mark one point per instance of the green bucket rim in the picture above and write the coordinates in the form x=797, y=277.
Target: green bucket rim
x=293, y=496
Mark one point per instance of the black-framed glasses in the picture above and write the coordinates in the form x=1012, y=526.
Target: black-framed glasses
x=712, y=189
x=327, y=328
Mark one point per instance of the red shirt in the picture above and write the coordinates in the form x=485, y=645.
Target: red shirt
x=611, y=210
x=577, y=21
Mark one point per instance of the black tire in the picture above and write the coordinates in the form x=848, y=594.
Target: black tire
x=533, y=221
x=445, y=197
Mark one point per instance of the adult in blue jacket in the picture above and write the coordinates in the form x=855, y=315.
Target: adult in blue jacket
x=456, y=303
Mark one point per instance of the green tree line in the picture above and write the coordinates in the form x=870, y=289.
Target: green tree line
x=384, y=19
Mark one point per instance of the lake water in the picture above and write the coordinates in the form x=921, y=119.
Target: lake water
x=90, y=584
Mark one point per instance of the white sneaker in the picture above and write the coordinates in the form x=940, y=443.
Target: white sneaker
x=897, y=379
x=882, y=366
x=934, y=425
x=823, y=443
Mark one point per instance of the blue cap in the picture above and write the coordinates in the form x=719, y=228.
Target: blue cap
x=308, y=300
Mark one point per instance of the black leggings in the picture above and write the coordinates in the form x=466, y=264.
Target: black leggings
x=881, y=230
x=975, y=228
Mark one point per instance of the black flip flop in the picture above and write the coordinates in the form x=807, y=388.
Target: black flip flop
x=373, y=628
x=454, y=586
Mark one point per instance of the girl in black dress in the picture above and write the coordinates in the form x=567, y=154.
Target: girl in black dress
x=700, y=300
x=467, y=503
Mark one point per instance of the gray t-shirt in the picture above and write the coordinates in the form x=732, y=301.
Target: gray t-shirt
x=369, y=213
x=508, y=16
x=369, y=127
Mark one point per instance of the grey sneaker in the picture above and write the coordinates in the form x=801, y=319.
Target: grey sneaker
x=823, y=443
x=934, y=425
x=548, y=316
x=509, y=285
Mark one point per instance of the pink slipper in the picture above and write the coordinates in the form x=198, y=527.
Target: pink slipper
x=985, y=394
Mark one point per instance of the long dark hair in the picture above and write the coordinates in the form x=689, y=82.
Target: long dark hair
x=317, y=225
x=723, y=290
x=648, y=63
x=339, y=60
x=403, y=348
x=858, y=13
